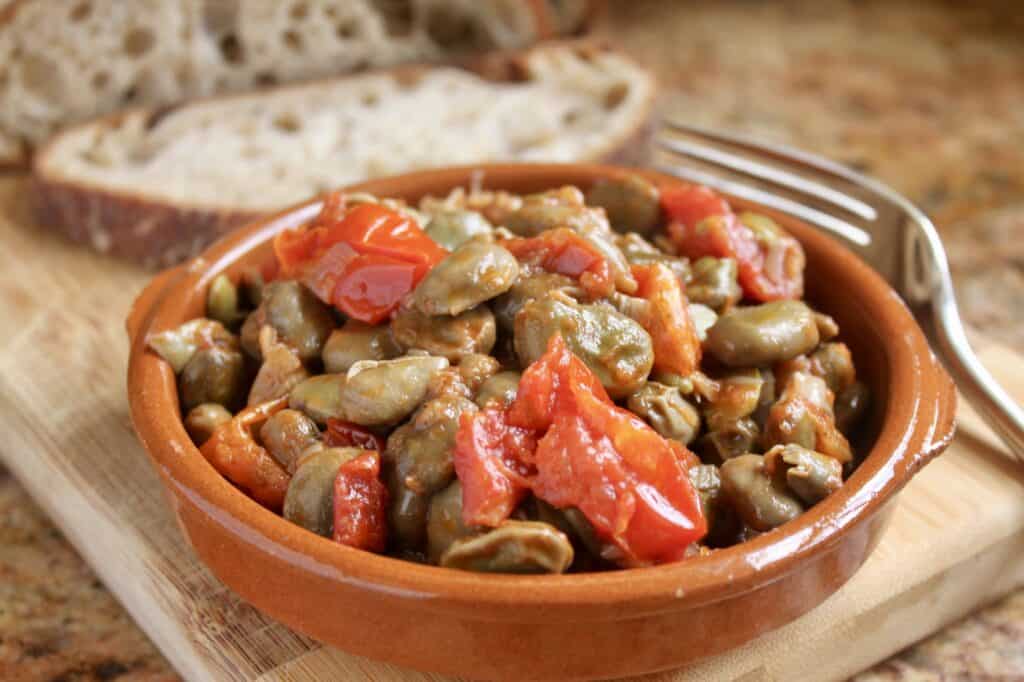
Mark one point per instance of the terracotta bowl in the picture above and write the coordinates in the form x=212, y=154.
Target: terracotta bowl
x=595, y=625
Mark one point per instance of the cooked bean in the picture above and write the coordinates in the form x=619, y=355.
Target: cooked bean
x=280, y=372
x=723, y=525
x=201, y=420
x=500, y=388
x=767, y=397
x=444, y=521
x=528, y=287
x=178, y=345
x=302, y=321
x=804, y=415
x=760, y=335
x=760, y=501
x=851, y=405
x=587, y=546
x=632, y=203
x=356, y=341
x=475, y=272
x=811, y=475
x=475, y=369
x=309, y=501
x=421, y=449
x=731, y=439
x=834, y=363
x=714, y=283
x=386, y=392
x=213, y=375
x=639, y=251
x=319, y=397
x=512, y=547
x=454, y=227
x=665, y=409
x=613, y=346
x=604, y=242
x=473, y=331
x=286, y=435
x=222, y=302
x=563, y=207
x=735, y=395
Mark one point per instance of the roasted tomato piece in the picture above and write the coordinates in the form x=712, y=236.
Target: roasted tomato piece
x=360, y=504
x=770, y=260
x=343, y=434
x=492, y=461
x=667, y=320
x=567, y=253
x=234, y=452
x=362, y=259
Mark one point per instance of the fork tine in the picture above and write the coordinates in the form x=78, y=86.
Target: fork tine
x=779, y=151
x=769, y=173
x=823, y=220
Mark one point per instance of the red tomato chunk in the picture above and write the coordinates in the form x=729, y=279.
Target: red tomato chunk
x=360, y=504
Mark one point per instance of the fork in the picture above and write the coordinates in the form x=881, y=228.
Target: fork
x=884, y=228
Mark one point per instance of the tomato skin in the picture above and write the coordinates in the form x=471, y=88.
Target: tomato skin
x=702, y=224
x=490, y=459
x=567, y=253
x=363, y=259
x=676, y=344
x=360, y=504
x=233, y=452
x=343, y=434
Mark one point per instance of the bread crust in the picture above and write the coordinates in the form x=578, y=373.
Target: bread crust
x=158, y=233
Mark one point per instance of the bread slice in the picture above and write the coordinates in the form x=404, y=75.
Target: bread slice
x=156, y=186
x=63, y=61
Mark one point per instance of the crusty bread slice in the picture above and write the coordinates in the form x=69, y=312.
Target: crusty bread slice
x=63, y=61
x=157, y=185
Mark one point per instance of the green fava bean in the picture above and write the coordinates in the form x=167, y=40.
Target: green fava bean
x=309, y=501
x=202, y=420
x=319, y=397
x=528, y=287
x=811, y=475
x=213, y=375
x=302, y=321
x=471, y=332
x=476, y=272
x=613, y=346
x=760, y=335
x=452, y=228
x=632, y=203
x=714, y=283
x=665, y=409
x=500, y=388
x=386, y=392
x=444, y=521
x=286, y=435
x=356, y=341
x=222, y=302
x=512, y=547
x=761, y=501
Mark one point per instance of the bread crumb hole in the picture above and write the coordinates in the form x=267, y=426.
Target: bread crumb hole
x=300, y=10
x=293, y=40
x=615, y=95
x=231, y=49
x=371, y=99
x=397, y=16
x=347, y=29
x=41, y=75
x=100, y=80
x=570, y=117
x=81, y=11
x=288, y=123
x=130, y=94
x=138, y=42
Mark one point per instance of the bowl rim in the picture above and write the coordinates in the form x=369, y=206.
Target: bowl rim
x=915, y=427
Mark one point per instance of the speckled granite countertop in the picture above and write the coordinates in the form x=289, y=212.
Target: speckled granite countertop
x=927, y=96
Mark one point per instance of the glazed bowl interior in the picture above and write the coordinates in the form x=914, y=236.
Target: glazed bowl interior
x=890, y=353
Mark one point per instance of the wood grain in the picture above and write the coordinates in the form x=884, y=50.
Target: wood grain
x=953, y=544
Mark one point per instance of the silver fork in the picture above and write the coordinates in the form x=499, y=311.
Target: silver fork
x=883, y=227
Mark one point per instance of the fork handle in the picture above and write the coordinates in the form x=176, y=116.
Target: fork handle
x=999, y=410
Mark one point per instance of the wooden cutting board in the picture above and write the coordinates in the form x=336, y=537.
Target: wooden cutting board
x=955, y=541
